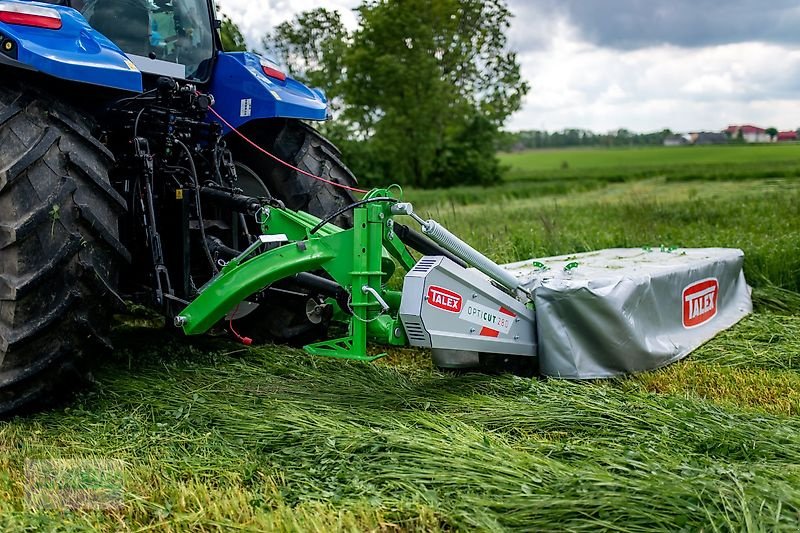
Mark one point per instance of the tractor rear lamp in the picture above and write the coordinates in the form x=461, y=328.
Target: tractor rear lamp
x=272, y=70
x=30, y=15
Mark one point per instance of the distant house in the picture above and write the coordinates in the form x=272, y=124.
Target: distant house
x=750, y=134
x=786, y=136
x=702, y=137
x=676, y=140
x=705, y=137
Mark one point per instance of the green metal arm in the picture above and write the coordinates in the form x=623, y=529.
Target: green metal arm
x=360, y=259
x=239, y=281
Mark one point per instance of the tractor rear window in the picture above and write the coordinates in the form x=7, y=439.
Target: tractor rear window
x=178, y=32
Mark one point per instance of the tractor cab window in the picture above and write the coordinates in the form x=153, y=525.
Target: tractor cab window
x=178, y=32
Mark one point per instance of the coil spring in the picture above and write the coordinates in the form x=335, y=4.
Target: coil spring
x=456, y=246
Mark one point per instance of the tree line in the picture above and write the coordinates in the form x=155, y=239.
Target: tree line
x=572, y=137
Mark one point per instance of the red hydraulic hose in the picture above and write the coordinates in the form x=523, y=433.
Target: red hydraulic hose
x=279, y=160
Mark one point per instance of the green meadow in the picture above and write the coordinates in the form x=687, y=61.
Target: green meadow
x=205, y=435
x=621, y=162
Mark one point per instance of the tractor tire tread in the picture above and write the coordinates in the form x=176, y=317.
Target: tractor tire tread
x=308, y=150
x=61, y=251
x=95, y=179
x=25, y=226
x=42, y=146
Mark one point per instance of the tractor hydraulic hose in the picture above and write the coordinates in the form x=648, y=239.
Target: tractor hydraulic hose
x=200, y=221
x=126, y=101
x=217, y=247
x=237, y=202
x=419, y=242
x=318, y=284
x=350, y=207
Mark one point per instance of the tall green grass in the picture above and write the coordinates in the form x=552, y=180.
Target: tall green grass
x=760, y=217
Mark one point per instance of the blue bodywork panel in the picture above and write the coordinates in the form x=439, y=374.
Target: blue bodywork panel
x=76, y=52
x=244, y=93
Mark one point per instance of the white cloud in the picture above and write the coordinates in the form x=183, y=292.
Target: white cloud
x=255, y=19
x=575, y=84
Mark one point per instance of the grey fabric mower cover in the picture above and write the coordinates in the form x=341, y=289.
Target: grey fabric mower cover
x=613, y=312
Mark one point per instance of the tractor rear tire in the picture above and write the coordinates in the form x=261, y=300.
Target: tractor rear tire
x=305, y=148
x=60, y=251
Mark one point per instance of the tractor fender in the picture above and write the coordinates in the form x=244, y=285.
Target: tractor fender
x=76, y=52
x=243, y=92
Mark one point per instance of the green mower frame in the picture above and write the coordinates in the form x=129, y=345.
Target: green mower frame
x=361, y=259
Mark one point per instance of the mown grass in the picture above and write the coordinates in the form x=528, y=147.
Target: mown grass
x=213, y=437
x=272, y=438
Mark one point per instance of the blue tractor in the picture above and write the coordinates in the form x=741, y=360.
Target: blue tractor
x=134, y=157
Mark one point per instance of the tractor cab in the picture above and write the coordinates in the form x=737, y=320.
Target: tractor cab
x=172, y=38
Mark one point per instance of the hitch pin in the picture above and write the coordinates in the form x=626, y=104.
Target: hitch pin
x=405, y=208
x=366, y=289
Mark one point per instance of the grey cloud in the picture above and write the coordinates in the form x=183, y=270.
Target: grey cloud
x=635, y=24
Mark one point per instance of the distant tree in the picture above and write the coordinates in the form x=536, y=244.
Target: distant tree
x=772, y=132
x=312, y=46
x=232, y=37
x=425, y=76
x=422, y=87
x=527, y=140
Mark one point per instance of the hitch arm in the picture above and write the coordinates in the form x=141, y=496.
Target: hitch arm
x=239, y=281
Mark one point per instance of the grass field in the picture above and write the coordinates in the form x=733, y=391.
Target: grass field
x=622, y=159
x=675, y=163
x=205, y=435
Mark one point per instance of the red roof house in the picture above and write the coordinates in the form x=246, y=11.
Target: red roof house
x=751, y=134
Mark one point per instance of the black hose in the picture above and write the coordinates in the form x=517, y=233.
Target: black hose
x=238, y=202
x=343, y=210
x=127, y=101
x=201, y=221
x=318, y=284
x=220, y=248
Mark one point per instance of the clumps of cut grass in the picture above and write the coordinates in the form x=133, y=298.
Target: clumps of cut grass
x=772, y=391
x=777, y=299
x=214, y=437
x=767, y=341
x=753, y=365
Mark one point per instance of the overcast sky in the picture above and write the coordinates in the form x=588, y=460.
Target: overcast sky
x=644, y=65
